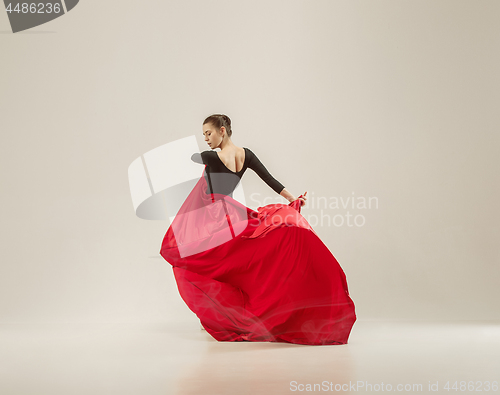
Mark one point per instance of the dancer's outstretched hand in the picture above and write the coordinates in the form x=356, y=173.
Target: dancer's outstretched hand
x=303, y=199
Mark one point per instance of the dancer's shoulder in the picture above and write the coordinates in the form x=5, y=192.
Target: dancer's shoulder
x=202, y=157
x=248, y=152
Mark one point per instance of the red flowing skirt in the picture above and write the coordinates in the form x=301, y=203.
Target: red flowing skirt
x=261, y=276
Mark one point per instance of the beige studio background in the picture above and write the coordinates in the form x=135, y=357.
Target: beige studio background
x=396, y=100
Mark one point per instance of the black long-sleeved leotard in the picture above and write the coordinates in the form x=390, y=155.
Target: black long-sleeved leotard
x=222, y=180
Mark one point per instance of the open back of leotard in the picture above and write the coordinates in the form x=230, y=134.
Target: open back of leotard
x=222, y=180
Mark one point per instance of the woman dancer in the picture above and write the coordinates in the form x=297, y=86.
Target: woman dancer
x=250, y=275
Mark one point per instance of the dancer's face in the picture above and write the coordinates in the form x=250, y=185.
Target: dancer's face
x=212, y=136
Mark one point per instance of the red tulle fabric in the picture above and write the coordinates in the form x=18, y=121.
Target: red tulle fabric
x=261, y=276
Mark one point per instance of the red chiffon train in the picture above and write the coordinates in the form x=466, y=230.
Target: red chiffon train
x=262, y=276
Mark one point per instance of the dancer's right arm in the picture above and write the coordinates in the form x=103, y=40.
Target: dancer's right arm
x=258, y=167
x=288, y=196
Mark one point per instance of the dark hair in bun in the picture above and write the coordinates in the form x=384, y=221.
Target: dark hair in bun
x=220, y=120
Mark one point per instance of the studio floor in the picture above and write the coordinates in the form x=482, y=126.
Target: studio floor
x=180, y=358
